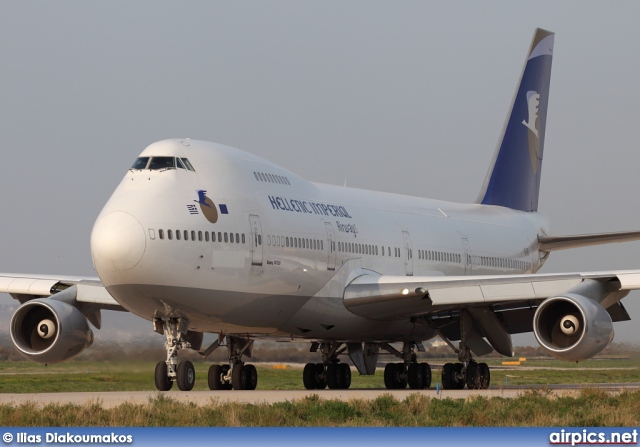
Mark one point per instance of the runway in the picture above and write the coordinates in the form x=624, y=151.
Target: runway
x=116, y=398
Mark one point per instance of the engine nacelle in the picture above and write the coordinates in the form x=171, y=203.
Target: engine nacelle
x=49, y=331
x=572, y=327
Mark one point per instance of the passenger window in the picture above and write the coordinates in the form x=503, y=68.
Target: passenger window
x=231, y=237
x=193, y=235
x=169, y=234
x=140, y=163
x=186, y=235
x=177, y=235
x=161, y=234
x=243, y=238
x=268, y=240
x=206, y=236
x=226, y=237
x=259, y=239
x=237, y=238
x=219, y=236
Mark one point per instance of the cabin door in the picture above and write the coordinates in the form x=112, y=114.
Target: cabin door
x=408, y=260
x=466, y=258
x=331, y=239
x=256, y=240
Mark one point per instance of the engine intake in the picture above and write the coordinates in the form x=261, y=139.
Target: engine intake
x=572, y=327
x=49, y=331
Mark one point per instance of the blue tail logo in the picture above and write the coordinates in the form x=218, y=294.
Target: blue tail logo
x=513, y=180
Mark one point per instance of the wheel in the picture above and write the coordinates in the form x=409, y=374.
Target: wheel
x=163, y=383
x=472, y=376
x=215, y=377
x=485, y=375
x=401, y=376
x=252, y=377
x=426, y=375
x=345, y=372
x=239, y=377
x=458, y=379
x=389, y=376
x=225, y=371
x=447, y=376
x=320, y=377
x=334, y=378
x=309, y=376
x=415, y=377
x=186, y=375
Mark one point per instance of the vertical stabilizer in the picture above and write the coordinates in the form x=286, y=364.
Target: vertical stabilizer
x=513, y=179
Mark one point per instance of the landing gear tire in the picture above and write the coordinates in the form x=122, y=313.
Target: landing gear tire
x=447, y=376
x=309, y=376
x=485, y=375
x=473, y=376
x=320, y=377
x=389, y=373
x=458, y=379
x=252, y=377
x=185, y=375
x=395, y=376
x=416, y=380
x=334, y=378
x=426, y=375
x=239, y=378
x=214, y=377
x=163, y=383
x=345, y=371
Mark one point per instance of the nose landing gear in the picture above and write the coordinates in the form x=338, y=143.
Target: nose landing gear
x=169, y=371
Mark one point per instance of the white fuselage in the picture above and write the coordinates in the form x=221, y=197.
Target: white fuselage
x=262, y=251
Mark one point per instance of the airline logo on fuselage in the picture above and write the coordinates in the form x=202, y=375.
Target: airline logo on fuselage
x=305, y=206
x=208, y=208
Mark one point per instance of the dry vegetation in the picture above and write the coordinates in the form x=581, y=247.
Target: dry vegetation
x=533, y=408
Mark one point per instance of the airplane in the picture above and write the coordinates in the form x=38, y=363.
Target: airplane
x=204, y=238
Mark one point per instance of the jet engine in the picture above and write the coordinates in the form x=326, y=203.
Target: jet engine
x=572, y=327
x=49, y=331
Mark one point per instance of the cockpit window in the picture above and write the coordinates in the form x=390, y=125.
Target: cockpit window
x=162, y=163
x=187, y=164
x=140, y=163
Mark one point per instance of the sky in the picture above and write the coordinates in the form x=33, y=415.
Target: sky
x=404, y=96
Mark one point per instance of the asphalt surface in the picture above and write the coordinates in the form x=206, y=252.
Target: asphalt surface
x=116, y=398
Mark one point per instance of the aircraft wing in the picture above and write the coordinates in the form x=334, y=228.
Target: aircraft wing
x=397, y=297
x=88, y=290
x=488, y=306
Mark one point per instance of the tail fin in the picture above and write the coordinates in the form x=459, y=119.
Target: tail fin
x=513, y=179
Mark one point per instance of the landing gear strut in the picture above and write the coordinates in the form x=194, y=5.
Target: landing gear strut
x=236, y=374
x=408, y=372
x=331, y=373
x=169, y=371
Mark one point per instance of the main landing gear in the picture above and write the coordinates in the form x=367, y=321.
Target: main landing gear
x=236, y=374
x=408, y=372
x=466, y=372
x=330, y=373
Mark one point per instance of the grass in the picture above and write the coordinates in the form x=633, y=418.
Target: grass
x=534, y=408
x=93, y=376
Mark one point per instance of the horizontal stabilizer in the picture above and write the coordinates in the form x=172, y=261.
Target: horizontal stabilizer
x=552, y=243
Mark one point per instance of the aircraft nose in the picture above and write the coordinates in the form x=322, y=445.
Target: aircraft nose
x=117, y=242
